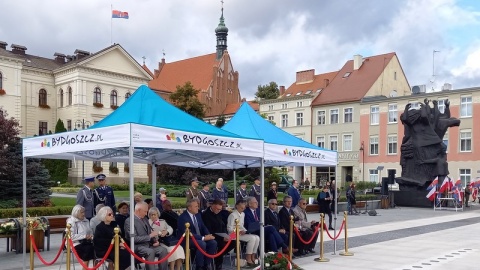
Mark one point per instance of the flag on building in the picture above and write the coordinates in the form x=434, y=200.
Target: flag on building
x=119, y=14
x=447, y=184
x=431, y=194
x=433, y=184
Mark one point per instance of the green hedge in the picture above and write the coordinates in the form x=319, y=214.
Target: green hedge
x=36, y=211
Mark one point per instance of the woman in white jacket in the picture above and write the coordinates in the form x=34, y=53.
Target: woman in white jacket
x=164, y=230
x=252, y=240
x=81, y=234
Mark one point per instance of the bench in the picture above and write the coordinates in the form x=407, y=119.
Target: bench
x=55, y=224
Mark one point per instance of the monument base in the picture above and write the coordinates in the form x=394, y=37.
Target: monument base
x=411, y=195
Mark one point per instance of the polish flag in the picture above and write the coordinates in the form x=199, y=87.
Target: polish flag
x=457, y=195
x=433, y=184
x=447, y=184
x=431, y=194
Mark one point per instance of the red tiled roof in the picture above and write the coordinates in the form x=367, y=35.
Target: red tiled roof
x=357, y=84
x=198, y=70
x=232, y=108
x=147, y=70
x=317, y=83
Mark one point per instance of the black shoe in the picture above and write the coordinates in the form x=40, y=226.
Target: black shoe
x=311, y=250
x=331, y=228
x=298, y=254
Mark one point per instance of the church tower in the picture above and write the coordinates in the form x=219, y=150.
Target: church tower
x=221, y=32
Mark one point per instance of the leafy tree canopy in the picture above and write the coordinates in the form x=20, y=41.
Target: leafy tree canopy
x=220, y=121
x=186, y=99
x=268, y=91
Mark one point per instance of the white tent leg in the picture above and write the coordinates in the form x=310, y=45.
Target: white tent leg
x=24, y=228
x=132, y=207
x=262, y=212
x=154, y=183
x=234, y=184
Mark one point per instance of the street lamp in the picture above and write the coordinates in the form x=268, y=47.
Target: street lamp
x=82, y=124
x=362, y=149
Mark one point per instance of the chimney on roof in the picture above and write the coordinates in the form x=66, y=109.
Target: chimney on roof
x=59, y=57
x=327, y=82
x=305, y=76
x=18, y=49
x=3, y=45
x=81, y=53
x=70, y=58
x=282, y=90
x=357, y=61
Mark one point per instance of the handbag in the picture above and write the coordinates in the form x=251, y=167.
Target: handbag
x=169, y=241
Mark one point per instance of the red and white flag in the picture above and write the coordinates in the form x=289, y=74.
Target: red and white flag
x=431, y=194
x=447, y=184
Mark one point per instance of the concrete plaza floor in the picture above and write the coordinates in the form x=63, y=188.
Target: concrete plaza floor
x=400, y=238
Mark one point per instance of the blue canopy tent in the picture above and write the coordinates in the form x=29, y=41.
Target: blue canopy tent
x=144, y=129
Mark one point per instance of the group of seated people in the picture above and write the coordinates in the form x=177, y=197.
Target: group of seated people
x=156, y=234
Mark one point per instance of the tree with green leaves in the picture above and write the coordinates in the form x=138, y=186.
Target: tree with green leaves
x=268, y=91
x=265, y=116
x=186, y=99
x=220, y=121
x=57, y=168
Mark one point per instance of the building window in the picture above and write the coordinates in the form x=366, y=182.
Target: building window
x=299, y=104
x=334, y=116
x=334, y=143
x=271, y=118
x=97, y=164
x=270, y=107
x=441, y=105
x=392, y=145
x=284, y=120
x=69, y=125
x=347, y=142
x=113, y=98
x=113, y=165
x=373, y=145
x=70, y=96
x=392, y=113
x=97, y=95
x=465, y=141
x=465, y=175
x=299, y=119
x=321, y=142
x=374, y=176
x=374, y=115
x=42, y=128
x=127, y=95
x=61, y=98
x=465, y=106
x=445, y=141
x=348, y=115
x=346, y=74
x=42, y=97
x=284, y=106
x=321, y=117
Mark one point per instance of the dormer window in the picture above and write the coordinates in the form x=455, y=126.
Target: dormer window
x=347, y=74
x=319, y=90
x=308, y=92
x=299, y=93
x=287, y=95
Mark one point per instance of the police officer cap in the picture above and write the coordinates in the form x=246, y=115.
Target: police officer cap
x=89, y=179
x=243, y=183
x=101, y=176
x=205, y=184
x=194, y=179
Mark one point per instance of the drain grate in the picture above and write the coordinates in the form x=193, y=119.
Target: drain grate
x=429, y=263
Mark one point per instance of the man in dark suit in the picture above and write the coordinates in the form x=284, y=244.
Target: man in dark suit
x=198, y=230
x=214, y=223
x=284, y=216
x=169, y=215
x=294, y=193
x=252, y=221
x=272, y=220
x=146, y=239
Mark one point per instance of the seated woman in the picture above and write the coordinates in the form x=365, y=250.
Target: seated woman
x=252, y=240
x=121, y=216
x=164, y=230
x=81, y=234
x=104, y=234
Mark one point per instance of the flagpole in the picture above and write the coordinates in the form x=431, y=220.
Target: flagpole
x=111, y=24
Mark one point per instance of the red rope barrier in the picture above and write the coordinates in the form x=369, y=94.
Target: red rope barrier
x=339, y=231
x=311, y=239
x=205, y=253
x=32, y=240
x=100, y=263
x=155, y=262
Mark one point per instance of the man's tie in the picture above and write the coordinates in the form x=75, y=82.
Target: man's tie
x=195, y=224
x=255, y=215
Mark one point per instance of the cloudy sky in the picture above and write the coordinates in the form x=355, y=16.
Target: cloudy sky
x=269, y=40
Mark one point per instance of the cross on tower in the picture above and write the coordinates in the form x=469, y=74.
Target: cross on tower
x=143, y=57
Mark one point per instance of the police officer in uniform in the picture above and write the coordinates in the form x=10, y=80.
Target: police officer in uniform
x=242, y=191
x=256, y=190
x=205, y=196
x=103, y=194
x=85, y=197
x=192, y=191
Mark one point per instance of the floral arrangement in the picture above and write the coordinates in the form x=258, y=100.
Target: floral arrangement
x=37, y=223
x=98, y=104
x=276, y=260
x=8, y=228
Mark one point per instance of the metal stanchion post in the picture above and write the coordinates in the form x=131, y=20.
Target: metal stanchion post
x=30, y=225
x=322, y=224
x=290, y=235
x=346, y=253
x=68, y=235
x=187, y=245
x=237, y=239
x=116, y=262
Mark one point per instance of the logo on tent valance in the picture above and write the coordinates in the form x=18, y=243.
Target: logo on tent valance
x=303, y=153
x=203, y=140
x=70, y=140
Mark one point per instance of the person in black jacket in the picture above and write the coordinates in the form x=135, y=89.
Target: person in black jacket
x=272, y=193
x=272, y=220
x=214, y=223
x=169, y=216
x=284, y=216
x=324, y=200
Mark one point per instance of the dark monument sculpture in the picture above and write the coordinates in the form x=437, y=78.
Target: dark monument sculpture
x=423, y=154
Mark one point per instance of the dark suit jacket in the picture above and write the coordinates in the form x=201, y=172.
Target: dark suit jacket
x=184, y=218
x=103, y=237
x=142, y=231
x=214, y=223
x=171, y=218
x=250, y=219
x=271, y=219
x=284, y=217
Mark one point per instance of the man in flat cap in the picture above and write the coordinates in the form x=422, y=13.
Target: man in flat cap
x=192, y=191
x=85, y=197
x=103, y=194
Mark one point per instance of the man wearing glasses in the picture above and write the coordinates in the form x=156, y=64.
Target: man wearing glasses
x=272, y=221
x=284, y=216
x=304, y=226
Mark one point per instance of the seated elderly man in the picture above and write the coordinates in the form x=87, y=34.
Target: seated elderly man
x=145, y=245
x=305, y=227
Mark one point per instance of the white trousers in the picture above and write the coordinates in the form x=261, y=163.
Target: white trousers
x=253, y=241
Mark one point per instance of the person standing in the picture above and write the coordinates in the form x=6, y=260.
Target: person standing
x=324, y=200
x=242, y=191
x=104, y=194
x=162, y=193
x=294, y=193
x=219, y=192
x=351, y=200
x=205, y=196
x=192, y=191
x=272, y=193
x=468, y=191
x=85, y=197
x=256, y=190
